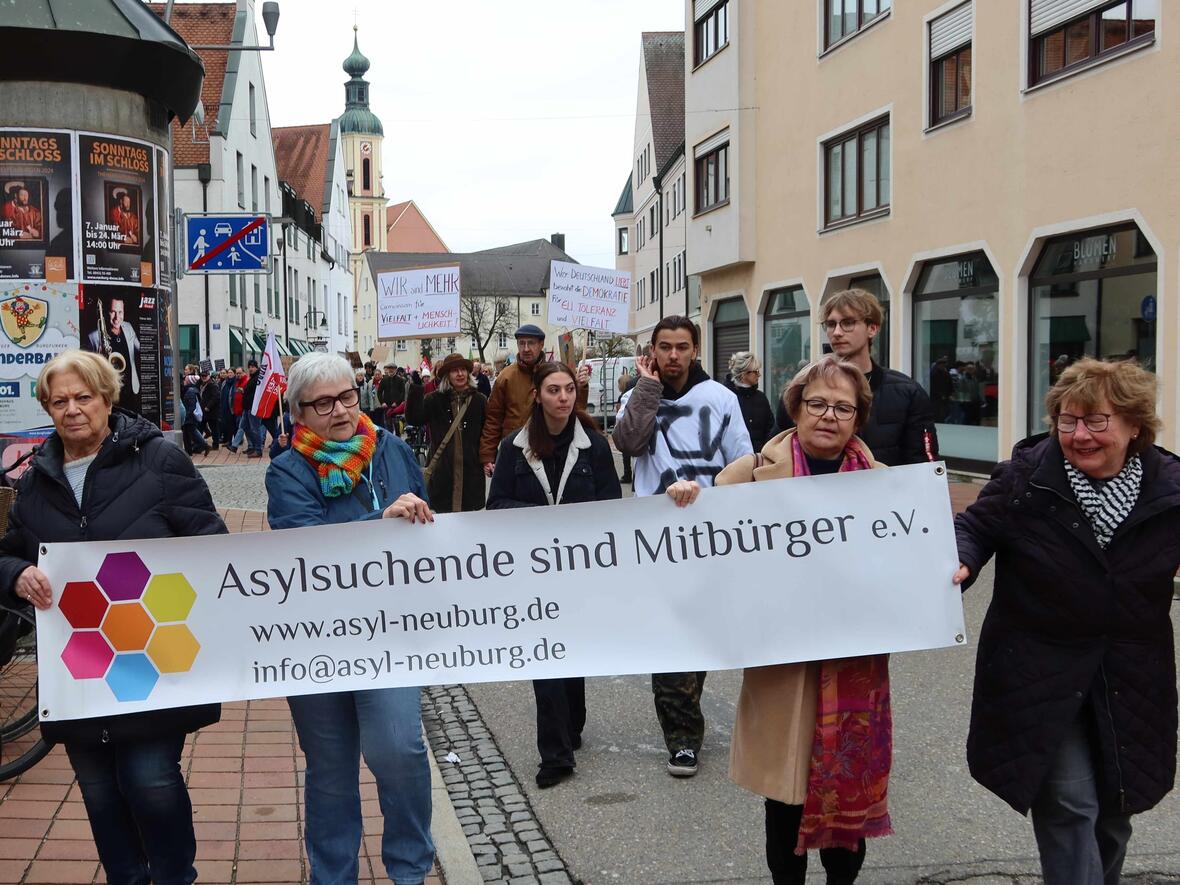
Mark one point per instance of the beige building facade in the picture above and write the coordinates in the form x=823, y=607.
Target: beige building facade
x=997, y=173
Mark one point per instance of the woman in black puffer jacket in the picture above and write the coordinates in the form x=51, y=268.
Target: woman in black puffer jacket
x=746, y=370
x=1074, y=711
x=105, y=475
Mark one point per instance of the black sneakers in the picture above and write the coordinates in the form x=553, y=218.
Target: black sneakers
x=551, y=777
x=683, y=763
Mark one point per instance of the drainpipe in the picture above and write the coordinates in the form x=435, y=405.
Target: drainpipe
x=286, y=295
x=205, y=175
x=659, y=186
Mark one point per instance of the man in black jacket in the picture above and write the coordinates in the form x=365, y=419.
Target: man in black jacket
x=900, y=429
x=210, y=392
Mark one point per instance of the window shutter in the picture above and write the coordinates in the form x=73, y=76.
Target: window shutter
x=1048, y=14
x=949, y=32
x=701, y=8
x=711, y=144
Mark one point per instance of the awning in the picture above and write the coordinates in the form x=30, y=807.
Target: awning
x=299, y=348
x=259, y=345
x=237, y=336
x=283, y=349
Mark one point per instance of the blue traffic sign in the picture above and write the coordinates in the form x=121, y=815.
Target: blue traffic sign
x=1147, y=308
x=227, y=243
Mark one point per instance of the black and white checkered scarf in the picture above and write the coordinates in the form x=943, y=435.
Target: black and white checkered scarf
x=1109, y=502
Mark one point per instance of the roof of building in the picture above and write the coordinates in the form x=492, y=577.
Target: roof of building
x=208, y=23
x=409, y=230
x=626, y=204
x=663, y=60
x=303, y=155
x=356, y=64
x=357, y=116
x=102, y=43
x=518, y=269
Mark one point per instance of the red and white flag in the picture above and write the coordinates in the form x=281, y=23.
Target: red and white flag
x=273, y=385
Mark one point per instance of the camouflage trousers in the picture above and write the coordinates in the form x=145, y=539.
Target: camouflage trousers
x=678, y=706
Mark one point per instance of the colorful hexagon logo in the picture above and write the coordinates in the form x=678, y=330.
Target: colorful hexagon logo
x=128, y=626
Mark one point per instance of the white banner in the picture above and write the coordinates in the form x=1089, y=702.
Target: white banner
x=421, y=302
x=594, y=298
x=763, y=573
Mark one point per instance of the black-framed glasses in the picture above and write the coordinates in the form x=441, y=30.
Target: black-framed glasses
x=819, y=408
x=1095, y=422
x=846, y=325
x=325, y=405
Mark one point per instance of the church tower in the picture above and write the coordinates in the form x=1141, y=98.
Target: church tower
x=361, y=136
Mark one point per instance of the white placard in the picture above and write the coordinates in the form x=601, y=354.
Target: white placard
x=594, y=298
x=768, y=572
x=420, y=302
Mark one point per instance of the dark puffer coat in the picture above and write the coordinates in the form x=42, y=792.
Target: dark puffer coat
x=756, y=413
x=900, y=423
x=1073, y=629
x=139, y=486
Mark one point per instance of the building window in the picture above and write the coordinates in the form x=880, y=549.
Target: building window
x=845, y=17
x=257, y=295
x=624, y=235
x=241, y=181
x=712, y=174
x=451, y=345
x=711, y=32
x=639, y=300
x=253, y=112
x=233, y=291
x=654, y=220
x=731, y=333
x=786, y=328
x=401, y=345
x=950, y=65
x=1062, y=42
x=654, y=282
x=956, y=341
x=856, y=174
x=366, y=175
x=502, y=341
x=189, y=344
x=535, y=309
x=367, y=224
x=253, y=188
x=639, y=232
x=1092, y=294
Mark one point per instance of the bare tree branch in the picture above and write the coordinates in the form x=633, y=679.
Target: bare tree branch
x=481, y=317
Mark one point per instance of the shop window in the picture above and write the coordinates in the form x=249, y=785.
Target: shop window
x=787, y=332
x=731, y=333
x=1091, y=294
x=874, y=285
x=1070, y=34
x=956, y=330
x=857, y=180
x=843, y=18
x=189, y=344
x=950, y=65
x=711, y=31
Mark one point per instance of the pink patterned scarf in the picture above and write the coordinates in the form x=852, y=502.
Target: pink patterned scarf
x=853, y=747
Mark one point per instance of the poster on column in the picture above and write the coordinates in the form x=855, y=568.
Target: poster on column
x=38, y=321
x=163, y=248
x=117, y=183
x=36, y=197
x=123, y=324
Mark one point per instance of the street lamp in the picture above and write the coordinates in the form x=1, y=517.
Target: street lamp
x=270, y=20
x=321, y=328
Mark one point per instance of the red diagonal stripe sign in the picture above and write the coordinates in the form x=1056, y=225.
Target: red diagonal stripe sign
x=213, y=253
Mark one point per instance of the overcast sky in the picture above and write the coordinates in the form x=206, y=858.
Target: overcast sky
x=505, y=121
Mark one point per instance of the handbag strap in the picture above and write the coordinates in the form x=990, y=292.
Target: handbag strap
x=446, y=439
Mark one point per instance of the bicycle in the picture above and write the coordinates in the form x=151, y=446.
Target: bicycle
x=21, y=744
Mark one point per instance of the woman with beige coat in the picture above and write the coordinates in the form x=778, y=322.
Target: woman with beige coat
x=814, y=738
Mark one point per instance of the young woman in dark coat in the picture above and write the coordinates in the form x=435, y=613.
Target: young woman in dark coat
x=108, y=475
x=1074, y=710
x=558, y=457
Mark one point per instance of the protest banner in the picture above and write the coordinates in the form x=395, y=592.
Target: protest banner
x=769, y=572
x=595, y=298
x=420, y=302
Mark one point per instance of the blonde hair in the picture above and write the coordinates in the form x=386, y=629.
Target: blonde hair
x=830, y=368
x=1127, y=386
x=96, y=373
x=861, y=304
x=741, y=362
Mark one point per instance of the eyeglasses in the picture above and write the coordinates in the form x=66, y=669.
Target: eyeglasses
x=819, y=408
x=846, y=325
x=1095, y=423
x=325, y=405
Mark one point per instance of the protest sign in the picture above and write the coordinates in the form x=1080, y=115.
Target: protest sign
x=418, y=302
x=593, y=298
x=764, y=573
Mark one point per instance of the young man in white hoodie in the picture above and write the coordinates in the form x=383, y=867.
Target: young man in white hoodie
x=677, y=423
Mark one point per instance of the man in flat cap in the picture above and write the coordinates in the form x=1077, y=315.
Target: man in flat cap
x=512, y=394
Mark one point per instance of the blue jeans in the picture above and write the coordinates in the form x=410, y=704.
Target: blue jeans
x=1078, y=843
x=139, y=810
x=240, y=433
x=257, y=428
x=386, y=725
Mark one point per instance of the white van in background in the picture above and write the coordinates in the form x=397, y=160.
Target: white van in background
x=604, y=387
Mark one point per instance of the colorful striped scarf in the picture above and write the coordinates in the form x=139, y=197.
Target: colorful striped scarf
x=339, y=464
x=853, y=747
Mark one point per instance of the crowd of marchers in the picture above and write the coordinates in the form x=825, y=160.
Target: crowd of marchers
x=1074, y=711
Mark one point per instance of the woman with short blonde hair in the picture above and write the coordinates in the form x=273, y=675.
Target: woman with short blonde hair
x=745, y=371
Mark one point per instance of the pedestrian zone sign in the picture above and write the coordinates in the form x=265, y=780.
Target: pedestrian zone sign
x=227, y=244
